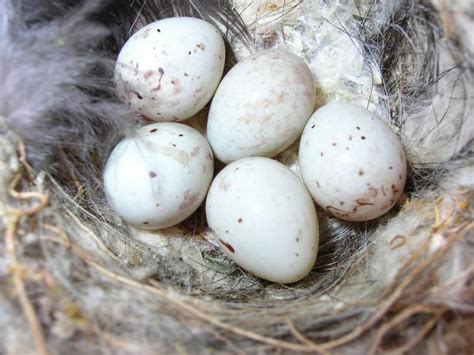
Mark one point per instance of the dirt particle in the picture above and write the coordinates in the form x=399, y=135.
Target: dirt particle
x=180, y=135
x=174, y=145
x=358, y=128
x=186, y=74
x=201, y=46
x=158, y=30
x=227, y=232
x=362, y=137
x=334, y=144
x=350, y=137
x=390, y=167
x=240, y=220
x=341, y=203
x=297, y=254
x=322, y=154
x=361, y=172
x=347, y=148
x=228, y=246
x=152, y=174
x=189, y=53
x=157, y=205
x=313, y=126
x=146, y=222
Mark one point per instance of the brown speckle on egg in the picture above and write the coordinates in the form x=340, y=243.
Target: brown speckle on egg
x=152, y=174
x=240, y=220
x=361, y=172
x=228, y=246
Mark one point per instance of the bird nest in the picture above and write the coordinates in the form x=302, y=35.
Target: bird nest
x=78, y=280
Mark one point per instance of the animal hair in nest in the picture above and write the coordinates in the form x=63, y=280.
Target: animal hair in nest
x=75, y=279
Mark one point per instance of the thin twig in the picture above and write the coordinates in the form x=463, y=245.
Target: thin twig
x=178, y=303
x=401, y=317
x=16, y=270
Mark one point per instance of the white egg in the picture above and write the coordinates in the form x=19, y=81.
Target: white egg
x=352, y=162
x=159, y=176
x=265, y=219
x=169, y=69
x=261, y=106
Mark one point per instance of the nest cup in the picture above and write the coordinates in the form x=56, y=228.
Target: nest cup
x=79, y=280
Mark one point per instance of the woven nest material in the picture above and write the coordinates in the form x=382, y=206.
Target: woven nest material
x=76, y=279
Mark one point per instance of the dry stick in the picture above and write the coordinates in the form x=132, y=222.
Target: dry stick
x=16, y=270
x=300, y=336
x=180, y=304
x=25, y=302
x=257, y=337
x=407, y=313
x=400, y=274
x=391, y=299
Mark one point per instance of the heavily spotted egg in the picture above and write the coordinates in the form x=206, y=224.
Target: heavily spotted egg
x=352, y=162
x=169, y=69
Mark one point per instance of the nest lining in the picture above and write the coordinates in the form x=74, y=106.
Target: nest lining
x=89, y=284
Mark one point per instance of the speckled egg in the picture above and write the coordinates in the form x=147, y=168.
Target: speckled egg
x=352, y=162
x=261, y=106
x=169, y=69
x=159, y=176
x=264, y=219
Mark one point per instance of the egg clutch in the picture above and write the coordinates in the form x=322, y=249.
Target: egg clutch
x=262, y=214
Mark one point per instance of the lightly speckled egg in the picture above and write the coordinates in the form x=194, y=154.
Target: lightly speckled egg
x=352, y=162
x=169, y=69
x=261, y=106
x=264, y=219
x=159, y=176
